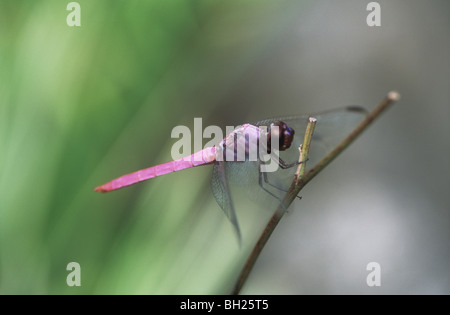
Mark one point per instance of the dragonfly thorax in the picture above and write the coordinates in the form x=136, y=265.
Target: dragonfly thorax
x=248, y=142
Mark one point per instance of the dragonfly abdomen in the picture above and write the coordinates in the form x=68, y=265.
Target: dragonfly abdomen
x=203, y=157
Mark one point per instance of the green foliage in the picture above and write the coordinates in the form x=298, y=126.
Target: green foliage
x=82, y=105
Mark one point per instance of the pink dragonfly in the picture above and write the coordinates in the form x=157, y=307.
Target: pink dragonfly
x=331, y=128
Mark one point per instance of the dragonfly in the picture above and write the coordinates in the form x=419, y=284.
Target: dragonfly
x=331, y=128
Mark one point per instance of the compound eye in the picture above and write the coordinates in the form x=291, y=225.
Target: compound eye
x=285, y=135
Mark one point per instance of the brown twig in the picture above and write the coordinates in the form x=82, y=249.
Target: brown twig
x=300, y=181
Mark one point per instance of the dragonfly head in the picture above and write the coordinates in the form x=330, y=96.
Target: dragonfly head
x=285, y=135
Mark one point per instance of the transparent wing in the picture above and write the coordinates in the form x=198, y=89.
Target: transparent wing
x=332, y=127
x=221, y=192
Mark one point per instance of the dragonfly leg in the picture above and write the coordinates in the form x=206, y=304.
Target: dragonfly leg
x=260, y=180
x=285, y=165
x=266, y=179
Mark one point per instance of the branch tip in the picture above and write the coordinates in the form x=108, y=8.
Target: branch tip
x=393, y=96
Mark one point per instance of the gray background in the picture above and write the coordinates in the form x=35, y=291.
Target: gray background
x=386, y=198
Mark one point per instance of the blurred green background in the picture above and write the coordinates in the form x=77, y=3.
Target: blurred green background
x=82, y=105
